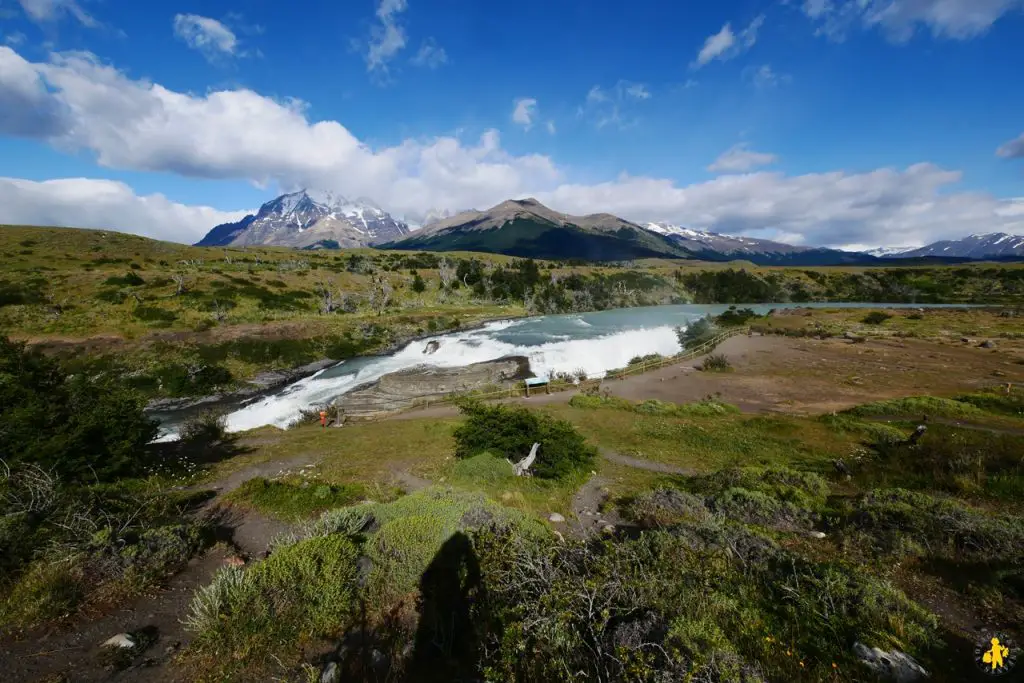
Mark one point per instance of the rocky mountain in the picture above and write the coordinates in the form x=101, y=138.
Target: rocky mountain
x=527, y=228
x=888, y=252
x=996, y=245
x=713, y=246
x=310, y=220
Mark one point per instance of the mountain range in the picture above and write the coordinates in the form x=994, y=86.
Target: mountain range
x=526, y=228
x=310, y=220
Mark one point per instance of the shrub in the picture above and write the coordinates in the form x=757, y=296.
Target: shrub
x=665, y=507
x=302, y=591
x=696, y=332
x=716, y=363
x=511, y=432
x=418, y=285
x=734, y=317
x=293, y=501
x=649, y=358
x=483, y=469
x=938, y=527
x=806, y=490
x=80, y=427
x=875, y=318
x=759, y=508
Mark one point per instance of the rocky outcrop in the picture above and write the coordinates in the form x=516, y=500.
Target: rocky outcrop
x=261, y=383
x=400, y=390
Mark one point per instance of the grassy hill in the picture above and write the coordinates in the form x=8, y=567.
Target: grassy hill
x=182, y=320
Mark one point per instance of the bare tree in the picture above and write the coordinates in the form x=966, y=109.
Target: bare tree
x=380, y=294
x=447, y=274
x=330, y=296
x=219, y=310
x=179, y=280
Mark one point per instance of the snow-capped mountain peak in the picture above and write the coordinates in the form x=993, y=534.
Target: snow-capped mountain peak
x=984, y=246
x=889, y=251
x=310, y=218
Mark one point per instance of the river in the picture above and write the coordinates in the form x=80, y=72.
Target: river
x=594, y=342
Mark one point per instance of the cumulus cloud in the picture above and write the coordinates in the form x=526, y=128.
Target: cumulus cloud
x=430, y=55
x=139, y=125
x=740, y=158
x=551, y=127
x=524, y=110
x=885, y=207
x=726, y=44
x=53, y=10
x=387, y=37
x=106, y=204
x=26, y=108
x=1014, y=149
x=900, y=19
x=208, y=36
x=638, y=91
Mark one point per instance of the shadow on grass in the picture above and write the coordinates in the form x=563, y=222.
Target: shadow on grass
x=446, y=646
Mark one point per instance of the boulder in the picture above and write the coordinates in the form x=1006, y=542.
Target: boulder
x=608, y=529
x=987, y=344
x=817, y=534
x=125, y=640
x=556, y=518
x=890, y=666
x=432, y=346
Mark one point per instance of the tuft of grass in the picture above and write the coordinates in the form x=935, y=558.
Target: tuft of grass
x=917, y=406
x=876, y=318
x=716, y=363
x=704, y=408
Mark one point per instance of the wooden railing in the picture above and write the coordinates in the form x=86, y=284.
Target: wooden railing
x=517, y=389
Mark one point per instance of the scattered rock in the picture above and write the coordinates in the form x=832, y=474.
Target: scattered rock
x=432, y=346
x=817, y=534
x=965, y=340
x=892, y=666
x=608, y=529
x=556, y=518
x=331, y=673
x=987, y=344
x=125, y=640
x=998, y=373
x=559, y=536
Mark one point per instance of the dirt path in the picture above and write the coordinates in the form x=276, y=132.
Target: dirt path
x=641, y=464
x=74, y=650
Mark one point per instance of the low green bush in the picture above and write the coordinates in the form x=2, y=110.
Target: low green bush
x=246, y=618
x=917, y=406
x=295, y=501
x=510, y=432
x=483, y=469
x=806, y=490
x=716, y=362
x=913, y=522
x=876, y=318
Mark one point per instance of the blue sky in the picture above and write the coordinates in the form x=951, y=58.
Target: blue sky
x=838, y=122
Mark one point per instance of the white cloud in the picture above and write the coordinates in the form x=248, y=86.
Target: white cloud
x=430, y=55
x=135, y=124
x=765, y=77
x=388, y=37
x=523, y=112
x=725, y=44
x=551, y=127
x=87, y=203
x=1013, y=149
x=209, y=36
x=900, y=19
x=638, y=91
x=740, y=158
x=14, y=39
x=53, y=10
x=885, y=207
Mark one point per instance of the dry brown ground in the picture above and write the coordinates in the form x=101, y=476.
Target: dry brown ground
x=812, y=376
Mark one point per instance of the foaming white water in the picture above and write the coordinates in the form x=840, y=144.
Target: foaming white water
x=595, y=356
